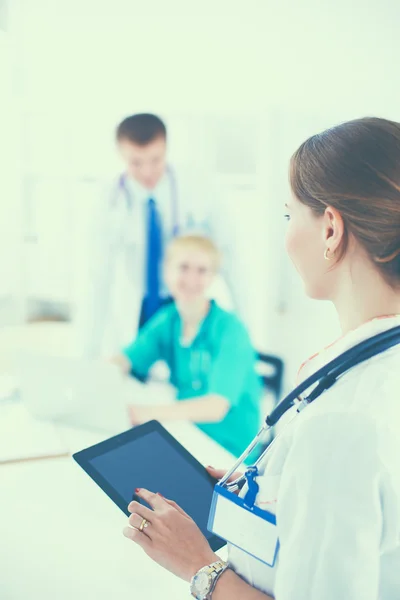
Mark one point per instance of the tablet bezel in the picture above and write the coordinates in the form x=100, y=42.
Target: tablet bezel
x=83, y=458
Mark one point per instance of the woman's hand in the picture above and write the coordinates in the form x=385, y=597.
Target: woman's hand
x=219, y=473
x=121, y=362
x=140, y=414
x=171, y=538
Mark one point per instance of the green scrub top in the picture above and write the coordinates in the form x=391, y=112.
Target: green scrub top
x=220, y=360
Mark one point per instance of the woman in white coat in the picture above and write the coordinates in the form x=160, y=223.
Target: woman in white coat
x=333, y=477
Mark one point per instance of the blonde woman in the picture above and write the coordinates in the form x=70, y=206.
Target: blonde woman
x=207, y=349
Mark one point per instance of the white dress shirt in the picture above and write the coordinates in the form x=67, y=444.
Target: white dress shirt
x=333, y=481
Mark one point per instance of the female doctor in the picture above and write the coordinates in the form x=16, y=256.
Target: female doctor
x=333, y=477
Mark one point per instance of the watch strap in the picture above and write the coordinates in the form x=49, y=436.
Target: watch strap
x=219, y=567
x=214, y=570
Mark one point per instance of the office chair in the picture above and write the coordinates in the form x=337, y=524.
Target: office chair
x=271, y=369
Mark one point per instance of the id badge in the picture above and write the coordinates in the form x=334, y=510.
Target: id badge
x=244, y=525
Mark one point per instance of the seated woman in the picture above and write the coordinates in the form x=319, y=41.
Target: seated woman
x=207, y=349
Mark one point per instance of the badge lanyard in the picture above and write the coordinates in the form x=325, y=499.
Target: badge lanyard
x=243, y=524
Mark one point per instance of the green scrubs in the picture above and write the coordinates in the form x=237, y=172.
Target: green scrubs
x=220, y=360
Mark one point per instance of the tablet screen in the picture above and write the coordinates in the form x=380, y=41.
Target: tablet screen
x=156, y=461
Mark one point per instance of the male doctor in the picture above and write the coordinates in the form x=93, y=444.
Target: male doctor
x=146, y=206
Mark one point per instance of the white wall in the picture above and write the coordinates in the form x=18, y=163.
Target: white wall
x=10, y=193
x=223, y=55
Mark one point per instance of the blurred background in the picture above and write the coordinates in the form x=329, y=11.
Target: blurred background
x=239, y=86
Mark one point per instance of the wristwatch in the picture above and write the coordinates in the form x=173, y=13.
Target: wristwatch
x=203, y=583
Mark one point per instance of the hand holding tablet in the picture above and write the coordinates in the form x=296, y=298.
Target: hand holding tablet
x=168, y=535
x=148, y=457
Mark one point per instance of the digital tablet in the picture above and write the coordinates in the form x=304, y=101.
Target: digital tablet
x=149, y=457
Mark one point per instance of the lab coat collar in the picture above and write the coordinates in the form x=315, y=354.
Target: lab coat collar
x=350, y=339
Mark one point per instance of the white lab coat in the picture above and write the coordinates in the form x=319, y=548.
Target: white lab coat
x=109, y=303
x=333, y=480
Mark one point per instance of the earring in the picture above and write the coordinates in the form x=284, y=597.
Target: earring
x=326, y=257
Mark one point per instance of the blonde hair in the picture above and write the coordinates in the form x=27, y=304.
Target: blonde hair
x=198, y=242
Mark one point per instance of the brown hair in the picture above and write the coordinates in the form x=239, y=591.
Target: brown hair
x=355, y=168
x=195, y=241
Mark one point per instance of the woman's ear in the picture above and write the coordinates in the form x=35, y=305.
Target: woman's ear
x=333, y=229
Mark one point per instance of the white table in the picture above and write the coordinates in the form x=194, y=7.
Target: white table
x=61, y=536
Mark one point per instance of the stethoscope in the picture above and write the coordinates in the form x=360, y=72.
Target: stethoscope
x=199, y=365
x=322, y=379
x=199, y=356
x=123, y=188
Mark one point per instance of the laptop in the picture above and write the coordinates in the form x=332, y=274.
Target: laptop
x=75, y=392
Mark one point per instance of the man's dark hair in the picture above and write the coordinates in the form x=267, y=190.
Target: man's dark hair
x=141, y=129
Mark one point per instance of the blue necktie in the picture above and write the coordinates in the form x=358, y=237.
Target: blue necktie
x=153, y=261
